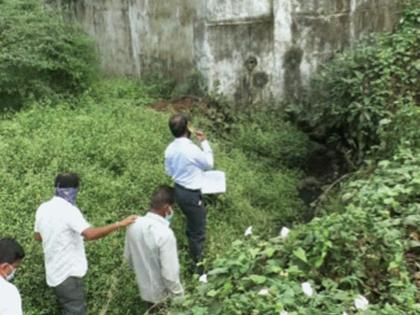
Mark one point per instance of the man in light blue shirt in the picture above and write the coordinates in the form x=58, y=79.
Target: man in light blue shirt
x=186, y=162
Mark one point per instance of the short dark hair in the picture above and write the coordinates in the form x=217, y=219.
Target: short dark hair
x=178, y=124
x=162, y=196
x=67, y=180
x=10, y=251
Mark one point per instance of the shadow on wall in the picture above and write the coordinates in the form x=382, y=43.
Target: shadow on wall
x=292, y=74
x=251, y=83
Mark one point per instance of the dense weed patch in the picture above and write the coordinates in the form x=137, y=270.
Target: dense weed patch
x=360, y=250
x=367, y=90
x=41, y=56
x=117, y=145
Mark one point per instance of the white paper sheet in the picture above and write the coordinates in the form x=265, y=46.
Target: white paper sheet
x=214, y=182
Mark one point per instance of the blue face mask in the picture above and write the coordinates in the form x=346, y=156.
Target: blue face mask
x=169, y=217
x=68, y=194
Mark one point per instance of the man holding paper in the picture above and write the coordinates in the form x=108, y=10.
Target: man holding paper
x=186, y=163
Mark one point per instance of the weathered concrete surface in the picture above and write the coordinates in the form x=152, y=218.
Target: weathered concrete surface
x=248, y=50
x=139, y=37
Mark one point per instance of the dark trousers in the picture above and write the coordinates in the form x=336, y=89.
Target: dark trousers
x=71, y=296
x=191, y=204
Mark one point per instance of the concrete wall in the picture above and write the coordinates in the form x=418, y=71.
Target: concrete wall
x=248, y=50
x=138, y=37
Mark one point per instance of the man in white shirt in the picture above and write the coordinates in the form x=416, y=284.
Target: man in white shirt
x=61, y=227
x=150, y=249
x=11, y=254
x=186, y=162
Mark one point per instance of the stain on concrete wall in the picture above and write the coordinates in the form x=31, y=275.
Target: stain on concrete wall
x=138, y=37
x=232, y=49
x=284, y=40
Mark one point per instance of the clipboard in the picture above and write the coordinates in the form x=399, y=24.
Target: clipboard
x=213, y=182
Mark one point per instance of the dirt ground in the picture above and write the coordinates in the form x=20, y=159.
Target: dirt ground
x=184, y=104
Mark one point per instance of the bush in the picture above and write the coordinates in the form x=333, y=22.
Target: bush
x=366, y=88
x=268, y=136
x=40, y=54
x=358, y=251
x=117, y=149
x=262, y=132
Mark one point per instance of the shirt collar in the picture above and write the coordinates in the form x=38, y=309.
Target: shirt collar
x=183, y=139
x=60, y=199
x=157, y=217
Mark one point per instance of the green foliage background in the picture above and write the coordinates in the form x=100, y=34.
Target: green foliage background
x=40, y=54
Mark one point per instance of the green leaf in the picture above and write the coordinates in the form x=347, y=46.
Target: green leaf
x=197, y=310
x=257, y=279
x=300, y=253
x=218, y=271
x=270, y=252
x=412, y=220
x=212, y=293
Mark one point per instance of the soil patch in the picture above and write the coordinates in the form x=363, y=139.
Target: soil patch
x=184, y=104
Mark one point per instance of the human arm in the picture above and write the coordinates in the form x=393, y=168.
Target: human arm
x=94, y=233
x=204, y=157
x=208, y=152
x=168, y=168
x=170, y=265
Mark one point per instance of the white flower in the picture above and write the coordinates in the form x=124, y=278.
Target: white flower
x=203, y=278
x=284, y=232
x=361, y=303
x=263, y=292
x=248, y=231
x=345, y=313
x=307, y=289
x=284, y=313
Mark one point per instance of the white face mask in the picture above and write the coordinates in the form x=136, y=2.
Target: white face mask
x=11, y=275
x=169, y=217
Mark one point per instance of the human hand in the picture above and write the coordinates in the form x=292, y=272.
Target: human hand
x=200, y=135
x=127, y=221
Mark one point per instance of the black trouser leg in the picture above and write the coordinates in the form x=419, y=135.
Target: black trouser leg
x=71, y=296
x=192, y=206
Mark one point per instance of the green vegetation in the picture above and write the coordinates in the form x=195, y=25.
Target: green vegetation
x=40, y=55
x=266, y=135
x=365, y=239
x=117, y=145
x=367, y=91
x=359, y=250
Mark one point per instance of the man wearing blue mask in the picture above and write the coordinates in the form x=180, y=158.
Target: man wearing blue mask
x=61, y=227
x=11, y=254
x=150, y=249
